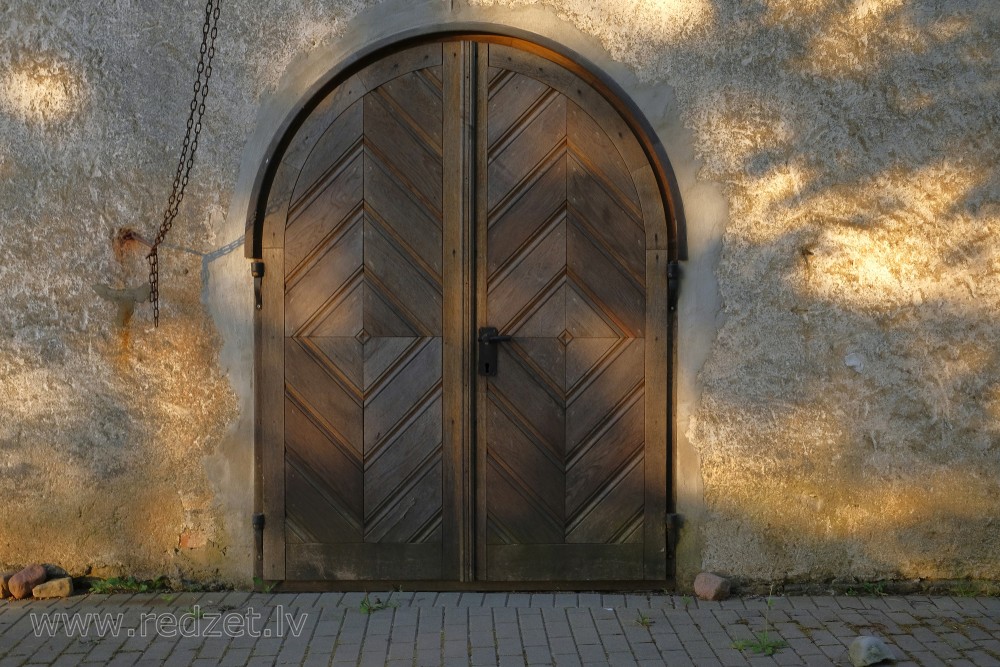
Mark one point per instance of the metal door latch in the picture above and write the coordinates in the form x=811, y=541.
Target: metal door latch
x=488, y=339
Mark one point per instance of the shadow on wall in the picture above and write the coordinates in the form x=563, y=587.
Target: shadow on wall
x=850, y=420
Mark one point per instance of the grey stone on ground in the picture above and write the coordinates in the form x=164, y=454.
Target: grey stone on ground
x=708, y=586
x=866, y=650
x=54, y=588
x=22, y=583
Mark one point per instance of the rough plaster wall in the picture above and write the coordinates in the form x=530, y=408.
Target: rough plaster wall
x=116, y=446
x=849, y=416
x=849, y=419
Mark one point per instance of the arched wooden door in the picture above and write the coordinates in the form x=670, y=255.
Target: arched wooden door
x=439, y=192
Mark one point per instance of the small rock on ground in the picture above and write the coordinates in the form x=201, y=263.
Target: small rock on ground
x=866, y=650
x=22, y=583
x=54, y=588
x=708, y=586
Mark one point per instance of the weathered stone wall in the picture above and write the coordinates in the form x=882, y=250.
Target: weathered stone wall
x=846, y=421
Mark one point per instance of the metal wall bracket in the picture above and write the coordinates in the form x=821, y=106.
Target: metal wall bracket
x=257, y=271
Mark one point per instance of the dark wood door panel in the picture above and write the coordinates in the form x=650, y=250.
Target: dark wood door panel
x=565, y=562
x=328, y=561
x=445, y=188
x=564, y=430
x=363, y=319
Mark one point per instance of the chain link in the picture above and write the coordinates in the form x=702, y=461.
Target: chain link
x=209, y=32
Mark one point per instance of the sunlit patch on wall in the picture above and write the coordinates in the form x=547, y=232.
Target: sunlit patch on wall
x=673, y=19
x=885, y=246
x=864, y=9
x=855, y=41
x=42, y=90
x=656, y=21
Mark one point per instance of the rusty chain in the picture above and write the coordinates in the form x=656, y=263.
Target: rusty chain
x=209, y=32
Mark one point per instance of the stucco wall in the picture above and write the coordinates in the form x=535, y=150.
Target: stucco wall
x=838, y=402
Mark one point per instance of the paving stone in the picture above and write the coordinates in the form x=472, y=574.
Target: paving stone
x=982, y=659
x=456, y=649
x=492, y=599
x=510, y=647
x=622, y=659
x=677, y=659
x=942, y=650
x=730, y=657
x=592, y=653
x=470, y=600
x=927, y=659
x=562, y=645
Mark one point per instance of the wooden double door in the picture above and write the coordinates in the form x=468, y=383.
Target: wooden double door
x=440, y=191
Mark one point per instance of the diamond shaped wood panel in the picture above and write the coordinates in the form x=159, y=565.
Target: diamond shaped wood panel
x=363, y=367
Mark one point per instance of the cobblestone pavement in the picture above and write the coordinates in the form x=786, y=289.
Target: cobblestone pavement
x=417, y=629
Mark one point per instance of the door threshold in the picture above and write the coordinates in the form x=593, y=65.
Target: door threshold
x=667, y=586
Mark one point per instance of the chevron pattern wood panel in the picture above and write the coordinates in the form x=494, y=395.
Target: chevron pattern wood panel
x=363, y=319
x=566, y=278
x=446, y=187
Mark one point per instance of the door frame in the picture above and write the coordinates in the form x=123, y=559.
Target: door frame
x=265, y=221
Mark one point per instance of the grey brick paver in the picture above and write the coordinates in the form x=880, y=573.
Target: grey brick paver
x=677, y=658
x=456, y=649
x=592, y=653
x=621, y=659
x=562, y=645
x=982, y=659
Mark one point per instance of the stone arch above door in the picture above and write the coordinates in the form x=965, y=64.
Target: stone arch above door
x=382, y=255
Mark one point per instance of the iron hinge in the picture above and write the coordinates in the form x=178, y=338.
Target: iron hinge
x=257, y=271
x=673, y=284
x=257, y=521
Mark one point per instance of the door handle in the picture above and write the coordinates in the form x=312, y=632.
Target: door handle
x=488, y=339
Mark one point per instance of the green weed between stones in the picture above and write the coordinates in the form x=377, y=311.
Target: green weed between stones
x=966, y=589
x=762, y=642
x=261, y=585
x=129, y=585
x=643, y=620
x=370, y=607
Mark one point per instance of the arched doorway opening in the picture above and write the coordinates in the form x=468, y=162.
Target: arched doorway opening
x=463, y=343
